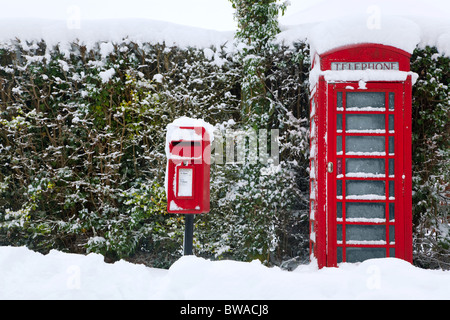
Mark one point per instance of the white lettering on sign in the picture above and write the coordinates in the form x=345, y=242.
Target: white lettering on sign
x=185, y=185
x=338, y=66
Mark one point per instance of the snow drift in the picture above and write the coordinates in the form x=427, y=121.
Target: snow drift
x=25, y=274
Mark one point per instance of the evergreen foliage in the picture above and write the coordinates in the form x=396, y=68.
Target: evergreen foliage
x=431, y=158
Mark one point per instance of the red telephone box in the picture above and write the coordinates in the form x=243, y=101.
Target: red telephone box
x=360, y=159
x=188, y=170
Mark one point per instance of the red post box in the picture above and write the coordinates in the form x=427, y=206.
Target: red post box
x=360, y=159
x=188, y=150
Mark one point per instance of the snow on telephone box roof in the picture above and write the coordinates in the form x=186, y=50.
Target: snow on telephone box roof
x=394, y=31
x=404, y=24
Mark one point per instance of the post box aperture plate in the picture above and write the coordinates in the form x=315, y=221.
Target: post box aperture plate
x=185, y=182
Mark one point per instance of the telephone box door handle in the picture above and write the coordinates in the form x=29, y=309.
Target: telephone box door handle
x=330, y=167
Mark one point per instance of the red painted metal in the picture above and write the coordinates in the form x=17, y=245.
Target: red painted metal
x=189, y=155
x=324, y=223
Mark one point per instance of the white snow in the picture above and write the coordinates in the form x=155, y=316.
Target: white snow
x=367, y=75
x=210, y=14
x=158, y=78
x=106, y=49
x=25, y=274
x=326, y=25
x=111, y=30
x=404, y=24
x=107, y=75
x=174, y=206
x=366, y=197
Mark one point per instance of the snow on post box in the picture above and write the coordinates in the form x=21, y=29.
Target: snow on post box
x=188, y=150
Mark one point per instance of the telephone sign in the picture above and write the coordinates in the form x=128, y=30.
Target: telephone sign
x=364, y=66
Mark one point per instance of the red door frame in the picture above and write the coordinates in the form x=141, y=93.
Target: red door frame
x=402, y=174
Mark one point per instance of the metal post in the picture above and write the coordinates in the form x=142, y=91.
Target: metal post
x=188, y=234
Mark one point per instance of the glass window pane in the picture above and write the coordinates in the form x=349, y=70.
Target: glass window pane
x=360, y=188
x=354, y=232
x=364, y=167
x=361, y=210
x=391, y=252
x=339, y=187
x=339, y=232
x=338, y=166
x=339, y=210
x=391, y=101
x=358, y=122
x=392, y=189
x=339, y=254
x=391, y=211
x=339, y=144
x=366, y=100
x=366, y=144
x=339, y=122
x=391, y=234
x=339, y=100
x=361, y=254
x=391, y=145
x=391, y=167
x=391, y=122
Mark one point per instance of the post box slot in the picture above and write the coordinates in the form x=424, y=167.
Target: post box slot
x=187, y=149
x=186, y=143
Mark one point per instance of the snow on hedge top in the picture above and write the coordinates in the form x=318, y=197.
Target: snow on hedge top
x=327, y=25
x=404, y=24
x=114, y=30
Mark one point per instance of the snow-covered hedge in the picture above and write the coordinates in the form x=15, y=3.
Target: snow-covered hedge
x=431, y=158
x=82, y=149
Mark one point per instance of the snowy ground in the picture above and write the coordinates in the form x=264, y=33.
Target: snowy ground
x=25, y=274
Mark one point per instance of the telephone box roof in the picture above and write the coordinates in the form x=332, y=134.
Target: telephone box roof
x=401, y=24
